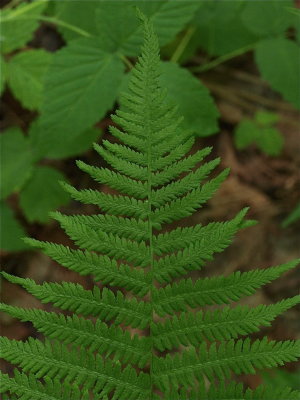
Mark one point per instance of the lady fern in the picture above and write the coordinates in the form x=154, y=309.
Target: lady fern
x=176, y=353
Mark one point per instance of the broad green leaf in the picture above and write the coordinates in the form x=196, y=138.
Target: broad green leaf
x=43, y=194
x=19, y=24
x=11, y=231
x=268, y=139
x=81, y=86
x=120, y=30
x=279, y=63
x=266, y=118
x=220, y=29
x=3, y=72
x=267, y=17
x=292, y=217
x=77, y=13
x=26, y=72
x=66, y=147
x=245, y=134
x=192, y=97
x=15, y=161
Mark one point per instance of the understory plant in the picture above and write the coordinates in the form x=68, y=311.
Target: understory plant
x=146, y=331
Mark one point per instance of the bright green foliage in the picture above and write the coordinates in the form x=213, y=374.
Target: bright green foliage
x=26, y=72
x=92, y=349
x=80, y=74
x=192, y=98
x=19, y=24
x=292, y=217
x=37, y=199
x=11, y=230
x=285, y=78
x=261, y=132
x=3, y=73
x=273, y=17
x=14, y=170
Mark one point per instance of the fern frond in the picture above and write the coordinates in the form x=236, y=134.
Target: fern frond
x=232, y=391
x=115, y=180
x=103, y=268
x=239, y=357
x=178, y=188
x=129, y=168
x=176, y=169
x=180, y=238
x=187, y=205
x=109, y=244
x=217, y=290
x=102, y=304
x=228, y=323
x=83, y=332
x=114, y=205
x=129, y=228
x=83, y=368
x=215, y=239
x=95, y=353
x=27, y=387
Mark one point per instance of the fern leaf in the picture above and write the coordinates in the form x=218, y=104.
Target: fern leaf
x=103, y=268
x=130, y=228
x=93, y=352
x=194, y=255
x=182, y=186
x=217, y=290
x=232, y=391
x=187, y=205
x=114, y=205
x=116, y=181
x=129, y=168
x=240, y=356
x=110, y=244
x=80, y=331
x=81, y=367
x=227, y=323
x=28, y=388
x=103, y=304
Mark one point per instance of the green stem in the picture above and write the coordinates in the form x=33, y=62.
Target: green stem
x=214, y=63
x=182, y=44
x=126, y=61
x=52, y=20
x=16, y=12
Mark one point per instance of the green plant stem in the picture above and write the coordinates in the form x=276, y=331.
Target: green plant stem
x=15, y=13
x=126, y=61
x=182, y=44
x=220, y=60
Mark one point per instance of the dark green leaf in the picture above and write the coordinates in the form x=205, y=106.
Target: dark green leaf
x=43, y=194
x=11, y=231
x=77, y=13
x=26, y=76
x=267, y=17
x=120, y=30
x=50, y=147
x=3, y=73
x=193, y=99
x=18, y=24
x=220, y=29
x=16, y=160
x=292, y=217
x=279, y=63
x=81, y=85
x=266, y=118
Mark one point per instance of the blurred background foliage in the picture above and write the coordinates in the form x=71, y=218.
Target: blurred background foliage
x=233, y=68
